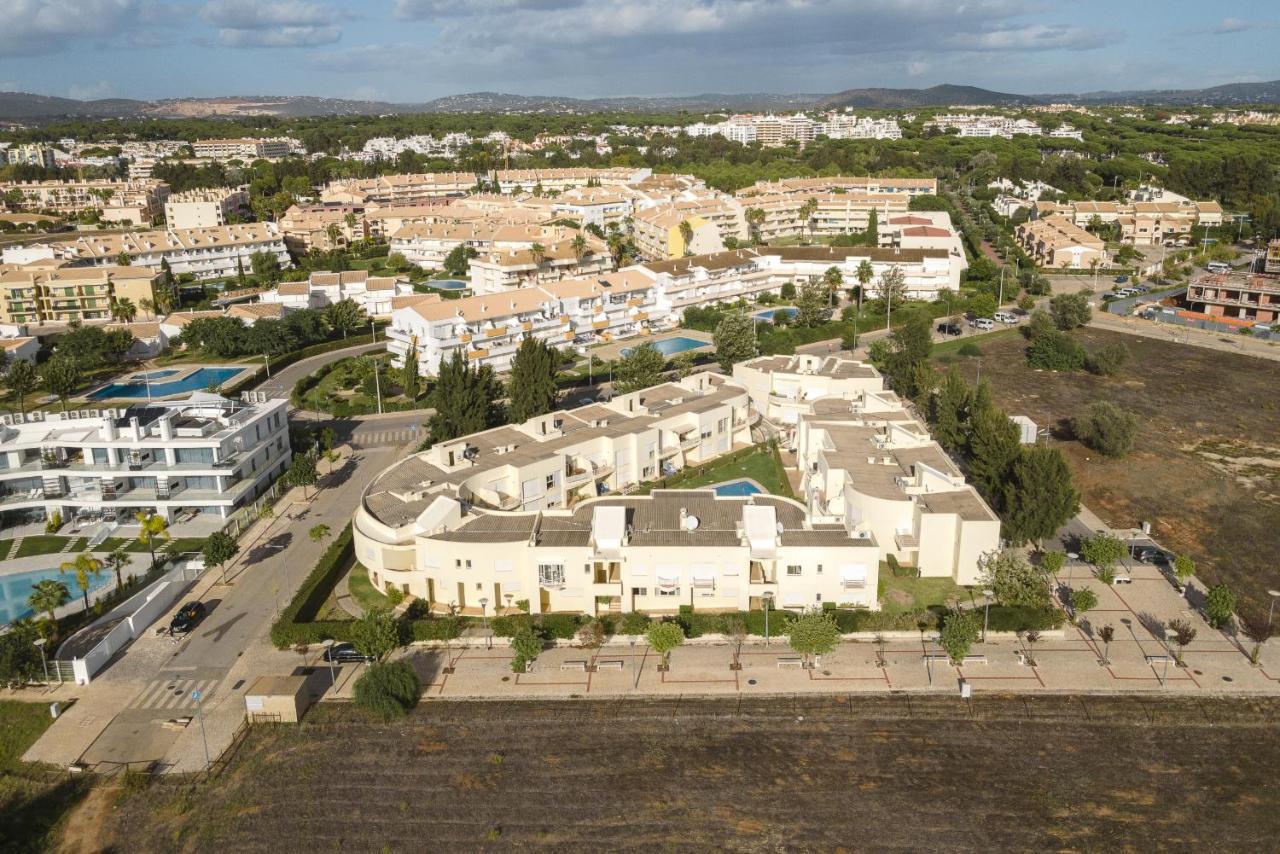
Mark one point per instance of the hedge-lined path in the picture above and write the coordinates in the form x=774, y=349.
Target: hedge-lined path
x=231, y=645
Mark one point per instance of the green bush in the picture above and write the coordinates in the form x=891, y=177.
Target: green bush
x=969, y=348
x=1106, y=428
x=863, y=620
x=1055, y=351
x=1022, y=618
x=437, y=628
x=1219, y=605
x=560, y=626
x=388, y=691
x=1107, y=360
x=634, y=623
x=508, y=625
x=294, y=625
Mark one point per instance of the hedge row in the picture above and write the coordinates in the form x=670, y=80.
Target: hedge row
x=296, y=622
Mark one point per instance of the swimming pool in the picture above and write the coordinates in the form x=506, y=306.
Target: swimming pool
x=448, y=284
x=773, y=312
x=136, y=385
x=14, y=590
x=671, y=346
x=737, y=488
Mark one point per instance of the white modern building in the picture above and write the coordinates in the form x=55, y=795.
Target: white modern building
x=374, y=294
x=204, y=208
x=201, y=456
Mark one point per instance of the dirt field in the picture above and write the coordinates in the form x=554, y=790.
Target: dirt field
x=1206, y=473
x=767, y=774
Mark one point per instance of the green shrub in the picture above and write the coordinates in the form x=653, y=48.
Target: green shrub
x=969, y=348
x=527, y=644
x=294, y=625
x=1219, y=605
x=508, y=625
x=1106, y=428
x=778, y=621
x=437, y=628
x=1022, y=618
x=388, y=691
x=1055, y=351
x=1107, y=360
x=560, y=626
x=634, y=623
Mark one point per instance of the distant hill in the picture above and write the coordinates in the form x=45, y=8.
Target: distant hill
x=937, y=96
x=24, y=107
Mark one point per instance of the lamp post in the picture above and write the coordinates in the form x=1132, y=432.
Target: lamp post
x=266, y=361
x=327, y=643
x=377, y=382
x=1274, y=594
x=1072, y=557
x=484, y=619
x=986, y=612
x=40, y=642
x=634, y=668
x=768, y=597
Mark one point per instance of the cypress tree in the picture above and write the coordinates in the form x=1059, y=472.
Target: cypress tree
x=532, y=387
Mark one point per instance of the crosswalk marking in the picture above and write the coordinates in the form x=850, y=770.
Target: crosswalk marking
x=371, y=438
x=173, y=694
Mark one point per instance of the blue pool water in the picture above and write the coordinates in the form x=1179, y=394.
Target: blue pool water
x=14, y=590
x=134, y=387
x=155, y=375
x=671, y=346
x=448, y=284
x=773, y=312
x=738, y=488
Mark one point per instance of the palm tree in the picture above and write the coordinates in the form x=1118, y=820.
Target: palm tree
x=834, y=279
x=148, y=306
x=48, y=596
x=539, y=253
x=579, y=246
x=117, y=561
x=124, y=310
x=686, y=235
x=152, y=529
x=807, y=210
x=84, y=566
x=755, y=218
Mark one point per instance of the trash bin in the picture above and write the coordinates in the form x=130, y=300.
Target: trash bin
x=966, y=689
x=55, y=709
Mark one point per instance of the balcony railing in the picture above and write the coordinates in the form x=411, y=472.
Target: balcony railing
x=906, y=540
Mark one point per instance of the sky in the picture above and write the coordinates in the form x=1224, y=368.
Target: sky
x=415, y=50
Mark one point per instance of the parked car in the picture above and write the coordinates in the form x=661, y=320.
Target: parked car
x=983, y=323
x=950, y=329
x=1120, y=280
x=345, y=653
x=1142, y=289
x=187, y=617
x=1006, y=317
x=1149, y=554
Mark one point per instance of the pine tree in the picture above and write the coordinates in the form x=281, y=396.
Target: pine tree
x=735, y=339
x=993, y=448
x=1040, y=497
x=532, y=387
x=465, y=400
x=640, y=368
x=811, y=305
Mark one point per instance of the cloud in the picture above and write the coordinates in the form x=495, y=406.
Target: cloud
x=33, y=27
x=1036, y=37
x=367, y=58
x=1228, y=26
x=274, y=23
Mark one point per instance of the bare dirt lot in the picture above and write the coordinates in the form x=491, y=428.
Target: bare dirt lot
x=1206, y=472
x=758, y=774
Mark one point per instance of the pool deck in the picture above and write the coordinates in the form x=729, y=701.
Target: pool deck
x=180, y=372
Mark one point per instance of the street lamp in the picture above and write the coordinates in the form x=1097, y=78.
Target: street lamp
x=768, y=597
x=634, y=669
x=986, y=612
x=1274, y=594
x=1072, y=557
x=327, y=643
x=40, y=642
x=485, y=621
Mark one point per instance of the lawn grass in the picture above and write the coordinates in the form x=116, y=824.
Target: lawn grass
x=39, y=544
x=363, y=591
x=952, y=347
x=900, y=594
x=33, y=804
x=762, y=464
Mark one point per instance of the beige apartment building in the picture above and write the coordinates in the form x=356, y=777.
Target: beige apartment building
x=205, y=208
x=136, y=201
x=505, y=269
x=1057, y=242
x=206, y=253
x=70, y=294
x=241, y=149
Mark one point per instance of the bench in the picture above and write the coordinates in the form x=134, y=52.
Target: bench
x=1158, y=659
x=1122, y=579
x=790, y=661
x=577, y=664
x=610, y=664
x=974, y=659
x=931, y=657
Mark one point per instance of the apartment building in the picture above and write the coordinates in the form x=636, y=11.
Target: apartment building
x=1143, y=221
x=393, y=188
x=849, y=126
x=984, y=126
x=322, y=227
x=244, y=149
x=488, y=328
x=504, y=269
x=842, y=184
x=513, y=513
x=41, y=295
x=136, y=202
x=783, y=388
x=374, y=294
x=660, y=232
x=867, y=462
x=922, y=230
x=32, y=154
x=183, y=459
x=207, y=208
x=427, y=244
x=599, y=206
x=1242, y=296
x=206, y=253
x=1057, y=242
x=1271, y=263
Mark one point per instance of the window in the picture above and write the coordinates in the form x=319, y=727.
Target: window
x=457, y=563
x=722, y=425
x=668, y=591
x=647, y=472
x=706, y=434
x=551, y=481
x=551, y=573
x=819, y=569
x=639, y=591
x=793, y=569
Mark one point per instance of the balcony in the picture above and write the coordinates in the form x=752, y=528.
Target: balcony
x=760, y=574
x=690, y=443
x=906, y=540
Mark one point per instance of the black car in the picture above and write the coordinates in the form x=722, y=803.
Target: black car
x=1149, y=554
x=187, y=617
x=344, y=653
x=950, y=329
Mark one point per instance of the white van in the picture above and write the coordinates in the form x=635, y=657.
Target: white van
x=1006, y=317
x=983, y=323
x=1218, y=267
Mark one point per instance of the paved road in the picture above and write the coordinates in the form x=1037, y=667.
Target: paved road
x=282, y=382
